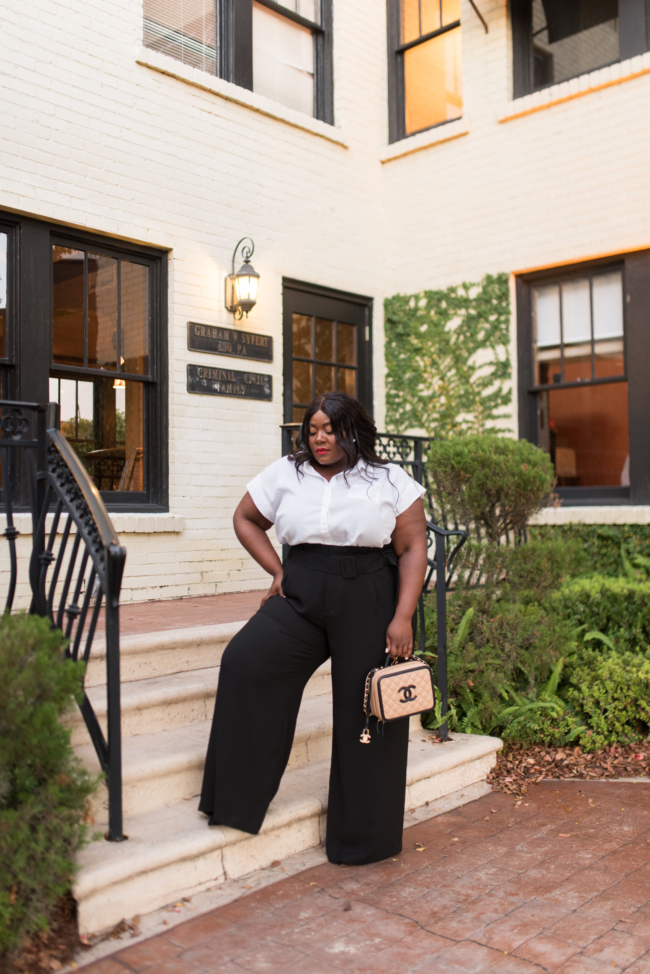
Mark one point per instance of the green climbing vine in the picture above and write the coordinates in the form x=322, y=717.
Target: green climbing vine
x=447, y=357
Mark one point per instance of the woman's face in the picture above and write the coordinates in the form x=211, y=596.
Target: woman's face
x=322, y=442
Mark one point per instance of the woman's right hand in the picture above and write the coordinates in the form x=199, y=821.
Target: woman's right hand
x=276, y=589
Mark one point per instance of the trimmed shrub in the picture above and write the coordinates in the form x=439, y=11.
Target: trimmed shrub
x=617, y=607
x=490, y=481
x=43, y=788
x=602, y=544
x=612, y=691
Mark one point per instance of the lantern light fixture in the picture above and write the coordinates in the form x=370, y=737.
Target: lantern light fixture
x=241, y=287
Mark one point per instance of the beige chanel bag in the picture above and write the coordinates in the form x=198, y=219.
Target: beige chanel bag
x=397, y=690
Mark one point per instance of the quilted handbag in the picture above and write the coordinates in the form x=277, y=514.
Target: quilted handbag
x=397, y=690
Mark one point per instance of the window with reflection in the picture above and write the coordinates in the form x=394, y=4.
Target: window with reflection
x=580, y=383
x=100, y=361
x=426, y=65
x=4, y=273
x=324, y=358
x=555, y=40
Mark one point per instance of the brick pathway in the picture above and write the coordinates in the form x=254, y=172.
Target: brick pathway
x=560, y=883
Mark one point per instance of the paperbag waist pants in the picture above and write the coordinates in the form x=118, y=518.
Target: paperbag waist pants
x=339, y=602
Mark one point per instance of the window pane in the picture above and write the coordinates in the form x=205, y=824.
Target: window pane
x=576, y=312
x=298, y=414
x=585, y=430
x=347, y=381
x=450, y=11
x=102, y=312
x=548, y=366
x=302, y=382
x=68, y=305
x=302, y=340
x=577, y=362
x=324, y=379
x=546, y=315
x=325, y=340
x=186, y=31
x=432, y=82
x=3, y=294
x=103, y=420
x=306, y=8
x=609, y=359
x=571, y=37
x=410, y=20
x=608, y=305
x=283, y=60
x=429, y=16
x=134, y=318
x=346, y=345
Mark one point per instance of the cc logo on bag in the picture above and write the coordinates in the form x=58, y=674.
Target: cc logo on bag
x=408, y=696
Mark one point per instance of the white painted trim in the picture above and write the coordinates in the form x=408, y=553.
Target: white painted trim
x=123, y=523
x=596, y=514
x=240, y=96
x=424, y=140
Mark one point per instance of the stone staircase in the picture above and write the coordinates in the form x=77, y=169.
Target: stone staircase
x=168, y=684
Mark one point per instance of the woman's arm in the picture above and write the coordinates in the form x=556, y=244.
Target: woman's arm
x=250, y=528
x=410, y=543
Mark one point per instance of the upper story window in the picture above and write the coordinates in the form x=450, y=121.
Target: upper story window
x=281, y=50
x=425, y=65
x=556, y=40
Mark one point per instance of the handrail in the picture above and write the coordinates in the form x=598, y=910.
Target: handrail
x=72, y=571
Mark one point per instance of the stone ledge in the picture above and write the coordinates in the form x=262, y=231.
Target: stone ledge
x=596, y=514
x=127, y=523
x=240, y=96
x=425, y=140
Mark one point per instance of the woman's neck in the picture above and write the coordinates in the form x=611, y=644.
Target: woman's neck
x=328, y=470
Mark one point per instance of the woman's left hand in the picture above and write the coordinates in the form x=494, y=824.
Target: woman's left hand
x=399, y=637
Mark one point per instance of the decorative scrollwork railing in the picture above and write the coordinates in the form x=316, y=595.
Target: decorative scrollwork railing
x=76, y=562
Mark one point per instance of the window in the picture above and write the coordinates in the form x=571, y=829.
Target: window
x=425, y=65
x=91, y=335
x=327, y=345
x=4, y=277
x=281, y=50
x=560, y=39
x=582, y=385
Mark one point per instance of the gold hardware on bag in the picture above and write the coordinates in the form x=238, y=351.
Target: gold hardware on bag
x=365, y=736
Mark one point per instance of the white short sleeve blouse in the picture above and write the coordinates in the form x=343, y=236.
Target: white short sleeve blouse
x=359, y=508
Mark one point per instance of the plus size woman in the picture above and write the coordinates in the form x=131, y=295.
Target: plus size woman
x=356, y=529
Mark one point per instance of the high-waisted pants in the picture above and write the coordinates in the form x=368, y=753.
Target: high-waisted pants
x=338, y=602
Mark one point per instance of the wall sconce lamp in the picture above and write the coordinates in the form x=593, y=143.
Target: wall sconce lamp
x=241, y=287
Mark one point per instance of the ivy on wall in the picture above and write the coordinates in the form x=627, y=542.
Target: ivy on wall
x=447, y=357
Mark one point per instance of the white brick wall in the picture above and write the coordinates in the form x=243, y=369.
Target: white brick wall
x=94, y=139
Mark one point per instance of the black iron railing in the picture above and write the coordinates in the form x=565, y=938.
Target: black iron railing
x=76, y=561
x=443, y=544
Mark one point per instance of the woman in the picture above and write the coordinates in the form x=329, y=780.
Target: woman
x=352, y=519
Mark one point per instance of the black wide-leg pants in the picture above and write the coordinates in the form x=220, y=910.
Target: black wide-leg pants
x=339, y=602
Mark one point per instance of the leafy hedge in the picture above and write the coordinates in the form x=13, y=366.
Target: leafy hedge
x=43, y=788
x=602, y=544
x=618, y=608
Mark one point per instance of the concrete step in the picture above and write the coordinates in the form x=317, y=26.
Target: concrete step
x=162, y=653
x=160, y=703
x=166, y=767
x=171, y=852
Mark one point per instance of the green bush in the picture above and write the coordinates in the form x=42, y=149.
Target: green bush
x=601, y=543
x=617, y=607
x=43, y=788
x=612, y=692
x=494, y=482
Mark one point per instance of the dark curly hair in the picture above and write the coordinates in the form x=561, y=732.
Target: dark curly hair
x=353, y=428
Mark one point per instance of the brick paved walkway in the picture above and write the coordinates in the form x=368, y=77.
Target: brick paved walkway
x=202, y=610
x=560, y=883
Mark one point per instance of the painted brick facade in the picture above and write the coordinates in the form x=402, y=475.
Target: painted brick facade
x=102, y=134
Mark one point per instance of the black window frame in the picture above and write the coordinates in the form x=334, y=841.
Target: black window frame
x=234, y=60
x=9, y=227
x=635, y=268
x=301, y=297
x=634, y=38
x=396, y=94
x=26, y=376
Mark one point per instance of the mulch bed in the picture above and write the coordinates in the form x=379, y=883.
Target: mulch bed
x=519, y=766
x=52, y=949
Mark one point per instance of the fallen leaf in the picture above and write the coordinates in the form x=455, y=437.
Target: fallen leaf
x=276, y=862
x=455, y=840
x=493, y=810
x=347, y=906
x=565, y=835
x=419, y=847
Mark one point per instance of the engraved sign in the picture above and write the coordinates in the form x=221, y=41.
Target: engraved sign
x=229, y=341
x=229, y=382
